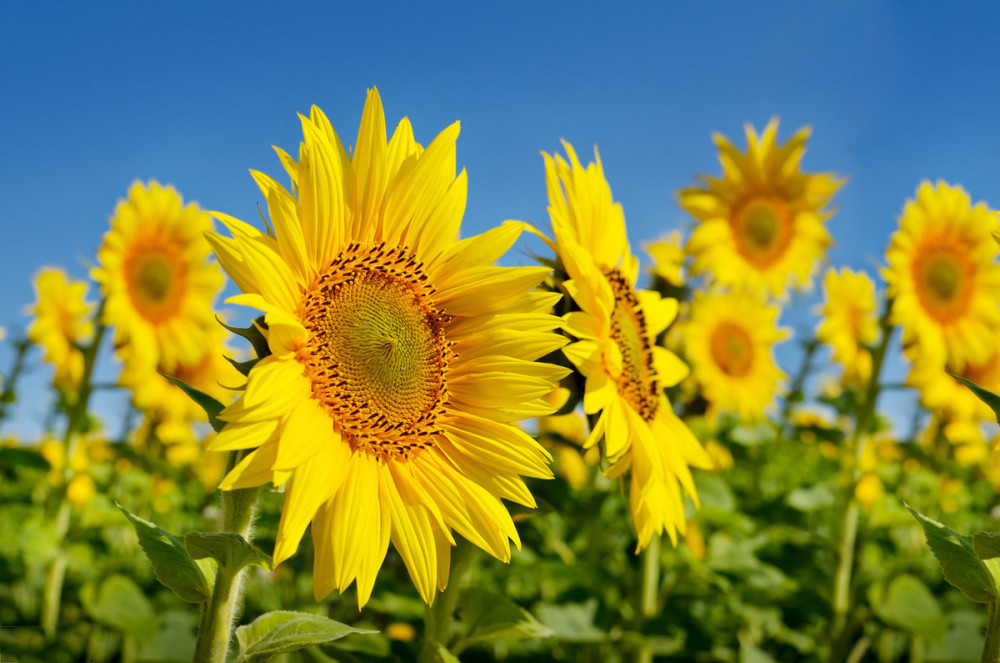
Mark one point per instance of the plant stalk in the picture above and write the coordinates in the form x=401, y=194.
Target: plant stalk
x=849, y=530
x=52, y=596
x=650, y=593
x=215, y=626
x=437, y=618
x=991, y=648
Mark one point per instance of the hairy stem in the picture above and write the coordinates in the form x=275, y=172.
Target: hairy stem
x=650, y=592
x=437, y=618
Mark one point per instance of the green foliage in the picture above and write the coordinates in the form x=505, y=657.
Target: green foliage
x=210, y=405
x=285, y=631
x=961, y=565
x=487, y=615
x=172, y=564
x=229, y=550
x=984, y=395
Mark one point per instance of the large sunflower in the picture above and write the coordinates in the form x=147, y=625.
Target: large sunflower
x=943, y=276
x=617, y=327
x=155, y=277
x=62, y=323
x=849, y=324
x=729, y=340
x=400, y=358
x=761, y=223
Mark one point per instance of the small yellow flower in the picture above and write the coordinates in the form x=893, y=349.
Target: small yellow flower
x=868, y=491
x=943, y=276
x=849, y=324
x=695, y=541
x=401, y=631
x=668, y=259
x=761, y=225
x=730, y=342
x=722, y=458
x=62, y=324
x=971, y=454
x=81, y=490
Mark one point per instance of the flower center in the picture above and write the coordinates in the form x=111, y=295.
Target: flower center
x=943, y=279
x=732, y=349
x=637, y=382
x=762, y=230
x=155, y=280
x=377, y=353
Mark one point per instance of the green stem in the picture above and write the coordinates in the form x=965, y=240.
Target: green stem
x=991, y=648
x=216, y=624
x=10, y=381
x=437, y=618
x=849, y=530
x=650, y=592
x=52, y=596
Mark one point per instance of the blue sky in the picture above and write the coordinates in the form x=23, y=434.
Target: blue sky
x=193, y=94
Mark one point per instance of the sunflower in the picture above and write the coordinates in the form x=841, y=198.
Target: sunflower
x=848, y=322
x=155, y=277
x=668, y=259
x=947, y=397
x=62, y=324
x=400, y=358
x=616, y=328
x=729, y=340
x=762, y=223
x=943, y=276
x=168, y=409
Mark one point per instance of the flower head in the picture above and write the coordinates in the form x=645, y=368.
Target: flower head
x=616, y=352
x=155, y=276
x=761, y=225
x=62, y=323
x=848, y=322
x=730, y=339
x=668, y=259
x=943, y=277
x=400, y=358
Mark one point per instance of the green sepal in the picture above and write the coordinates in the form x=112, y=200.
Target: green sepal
x=956, y=554
x=244, y=367
x=284, y=631
x=254, y=333
x=171, y=562
x=231, y=551
x=210, y=405
x=984, y=395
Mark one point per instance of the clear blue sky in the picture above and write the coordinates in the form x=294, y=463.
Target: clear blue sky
x=93, y=97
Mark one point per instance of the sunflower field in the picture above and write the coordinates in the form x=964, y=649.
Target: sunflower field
x=402, y=442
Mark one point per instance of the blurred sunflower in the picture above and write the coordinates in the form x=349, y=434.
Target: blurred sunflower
x=167, y=408
x=943, y=277
x=762, y=223
x=668, y=259
x=155, y=277
x=62, y=324
x=947, y=397
x=400, y=358
x=729, y=340
x=616, y=350
x=848, y=323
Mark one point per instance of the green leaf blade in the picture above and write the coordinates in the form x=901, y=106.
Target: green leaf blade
x=284, y=631
x=172, y=564
x=959, y=562
x=229, y=550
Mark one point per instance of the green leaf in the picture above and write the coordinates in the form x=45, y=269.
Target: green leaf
x=986, y=545
x=171, y=563
x=571, y=622
x=811, y=498
x=230, y=550
x=751, y=436
x=487, y=615
x=121, y=605
x=909, y=605
x=211, y=406
x=959, y=562
x=285, y=631
x=984, y=395
x=23, y=457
